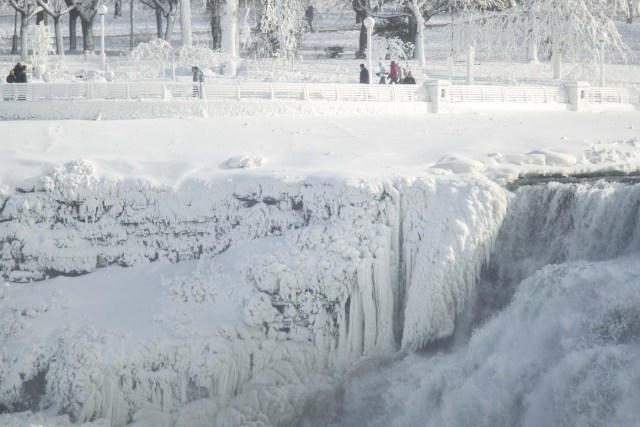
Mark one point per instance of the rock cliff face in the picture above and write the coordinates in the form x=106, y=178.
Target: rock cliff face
x=293, y=281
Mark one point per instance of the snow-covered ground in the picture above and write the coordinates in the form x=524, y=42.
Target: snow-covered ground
x=322, y=270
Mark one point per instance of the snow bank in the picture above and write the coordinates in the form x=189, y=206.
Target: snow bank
x=295, y=279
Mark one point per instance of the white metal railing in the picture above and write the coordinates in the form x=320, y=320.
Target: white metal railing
x=612, y=95
x=508, y=94
x=161, y=90
x=213, y=91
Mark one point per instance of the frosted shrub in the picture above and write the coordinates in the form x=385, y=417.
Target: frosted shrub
x=42, y=44
x=392, y=48
x=199, y=55
x=155, y=50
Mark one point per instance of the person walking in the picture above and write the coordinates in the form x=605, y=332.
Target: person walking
x=393, y=73
x=382, y=73
x=409, y=80
x=198, y=78
x=308, y=16
x=364, y=74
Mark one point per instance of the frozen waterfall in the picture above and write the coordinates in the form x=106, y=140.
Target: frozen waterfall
x=556, y=326
x=318, y=301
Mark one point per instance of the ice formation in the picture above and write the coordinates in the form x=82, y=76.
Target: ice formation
x=558, y=335
x=295, y=280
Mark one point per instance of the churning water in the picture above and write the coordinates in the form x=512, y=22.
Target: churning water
x=551, y=338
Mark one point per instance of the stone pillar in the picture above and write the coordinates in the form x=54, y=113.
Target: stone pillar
x=577, y=96
x=439, y=95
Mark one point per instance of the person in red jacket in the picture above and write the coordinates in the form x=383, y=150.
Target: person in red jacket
x=393, y=73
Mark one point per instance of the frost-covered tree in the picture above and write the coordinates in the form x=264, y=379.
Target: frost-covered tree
x=420, y=11
x=560, y=27
x=25, y=9
x=56, y=9
x=164, y=9
x=281, y=26
x=86, y=10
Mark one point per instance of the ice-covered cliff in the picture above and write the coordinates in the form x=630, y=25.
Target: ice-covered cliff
x=262, y=289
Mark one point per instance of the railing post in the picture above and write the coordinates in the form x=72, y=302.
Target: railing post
x=128, y=91
x=89, y=91
x=202, y=94
x=577, y=96
x=238, y=91
x=393, y=92
x=439, y=95
x=273, y=95
x=305, y=93
x=337, y=93
x=165, y=92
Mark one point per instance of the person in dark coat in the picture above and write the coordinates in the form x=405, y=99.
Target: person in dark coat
x=21, y=75
x=308, y=15
x=409, y=80
x=198, y=79
x=364, y=74
x=11, y=78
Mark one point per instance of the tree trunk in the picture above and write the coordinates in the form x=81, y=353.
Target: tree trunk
x=216, y=25
x=23, y=36
x=631, y=7
x=185, y=23
x=361, y=7
x=73, y=35
x=159, y=22
x=59, y=39
x=419, y=42
x=532, y=51
x=171, y=18
x=14, y=41
x=87, y=35
x=557, y=62
x=131, y=19
x=117, y=8
x=228, y=37
x=362, y=41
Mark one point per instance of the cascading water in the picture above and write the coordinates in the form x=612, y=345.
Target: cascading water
x=557, y=326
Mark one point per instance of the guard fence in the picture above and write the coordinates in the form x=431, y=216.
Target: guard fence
x=438, y=93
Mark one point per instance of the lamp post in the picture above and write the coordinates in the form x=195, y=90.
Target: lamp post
x=102, y=10
x=369, y=22
x=602, y=38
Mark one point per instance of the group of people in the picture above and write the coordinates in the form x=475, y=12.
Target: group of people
x=17, y=74
x=396, y=74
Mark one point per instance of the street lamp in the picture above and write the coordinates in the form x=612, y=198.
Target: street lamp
x=369, y=22
x=602, y=38
x=102, y=10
